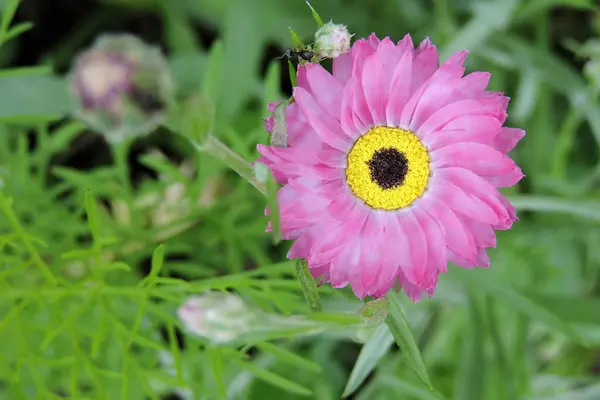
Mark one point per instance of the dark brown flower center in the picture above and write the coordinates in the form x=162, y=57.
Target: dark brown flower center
x=388, y=168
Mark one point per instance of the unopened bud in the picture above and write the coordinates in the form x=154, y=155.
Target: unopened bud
x=122, y=86
x=216, y=316
x=331, y=40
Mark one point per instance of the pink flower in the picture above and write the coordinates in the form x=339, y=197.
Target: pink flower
x=393, y=167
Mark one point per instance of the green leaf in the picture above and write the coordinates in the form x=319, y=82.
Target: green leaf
x=290, y=357
x=315, y=15
x=488, y=17
x=470, y=376
x=482, y=280
x=589, y=210
x=212, y=75
x=400, y=386
x=215, y=359
x=570, y=308
x=158, y=257
x=402, y=333
x=91, y=209
x=370, y=354
x=292, y=71
x=274, y=379
x=309, y=285
x=296, y=40
x=25, y=97
x=8, y=13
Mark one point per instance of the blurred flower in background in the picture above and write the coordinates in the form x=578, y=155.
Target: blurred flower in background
x=122, y=86
x=218, y=317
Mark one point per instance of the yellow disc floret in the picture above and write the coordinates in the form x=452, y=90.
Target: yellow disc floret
x=388, y=168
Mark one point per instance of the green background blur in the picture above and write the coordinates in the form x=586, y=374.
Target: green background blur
x=528, y=328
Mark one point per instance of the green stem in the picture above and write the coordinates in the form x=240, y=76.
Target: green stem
x=309, y=286
x=6, y=207
x=219, y=150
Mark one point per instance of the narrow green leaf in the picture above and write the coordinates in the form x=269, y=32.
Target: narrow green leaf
x=158, y=257
x=290, y=357
x=483, y=280
x=570, y=308
x=274, y=379
x=91, y=209
x=315, y=15
x=402, y=333
x=586, y=209
x=308, y=285
x=215, y=359
x=401, y=386
x=292, y=71
x=488, y=17
x=116, y=266
x=176, y=353
x=16, y=31
x=470, y=376
x=8, y=13
x=370, y=354
x=296, y=39
x=212, y=76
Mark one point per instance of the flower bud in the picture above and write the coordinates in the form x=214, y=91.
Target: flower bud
x=331, y=40
x=216, y=316
x=121, y=86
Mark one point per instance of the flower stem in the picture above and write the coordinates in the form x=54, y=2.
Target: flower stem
x=219, y=150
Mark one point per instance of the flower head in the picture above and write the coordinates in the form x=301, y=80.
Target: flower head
x=393, y=167
x=219, y=317
x=331, y=40
x=121, y=86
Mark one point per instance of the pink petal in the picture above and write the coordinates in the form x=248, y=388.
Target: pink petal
x=464, y=204
x=436, y=244
x=400, y=89
x=405, y=45
x=477, y=186
x=342, y=67
x=326, y=127
x=473, y=85
x=326, y=90
x=438, y=91
x=347, y=118
x=506, y=180
x=442, y=117
x=456, y=236
x=479, y=158
x=482, y=233
x=507, y=139
x=374, y=88
x=425, y=63
x=415, y=265
x=412, y=291
x=451, y=69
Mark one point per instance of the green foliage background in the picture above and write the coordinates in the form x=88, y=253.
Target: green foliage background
x=101, y=244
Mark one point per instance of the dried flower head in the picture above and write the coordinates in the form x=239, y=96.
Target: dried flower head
x=121, y=86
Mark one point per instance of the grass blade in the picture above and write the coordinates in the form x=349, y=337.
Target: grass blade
x=402, y=333
x=370, y=354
